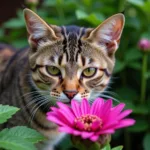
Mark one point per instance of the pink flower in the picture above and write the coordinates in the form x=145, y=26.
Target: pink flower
x=87, y=121
x=144, y=44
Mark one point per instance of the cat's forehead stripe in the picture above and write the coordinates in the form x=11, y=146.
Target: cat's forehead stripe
x=72, y=43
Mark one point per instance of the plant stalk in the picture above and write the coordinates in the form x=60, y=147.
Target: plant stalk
x=127, y=140
x=143, y=77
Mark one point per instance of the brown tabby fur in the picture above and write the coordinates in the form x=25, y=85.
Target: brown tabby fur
x=25, y=82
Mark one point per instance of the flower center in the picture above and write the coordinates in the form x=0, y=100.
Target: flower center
x=88, y=122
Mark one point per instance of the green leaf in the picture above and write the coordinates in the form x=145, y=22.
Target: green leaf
x=135, y=65
x=117, y=148
x=19, y=43
x=81, y=14
x=146, y=141
x=137, y=109
x=23, y=132
x=140, y=109
x=145, y=35
x=119, y=66
x=127, y=93
x=6, y=112
x=14, y=23
x=146, y=7
x=140, y=126
x=87, y=2
x=147, y=75
x=132, y=55
x=94, y=18
x=107, y=147
x=49, y=3
x=15, y=143
x=95, y=146
x=136, y=2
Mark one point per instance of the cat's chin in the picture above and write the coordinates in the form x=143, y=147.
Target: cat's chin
x=67, y=103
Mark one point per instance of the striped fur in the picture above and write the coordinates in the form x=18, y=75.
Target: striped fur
x=26, y=83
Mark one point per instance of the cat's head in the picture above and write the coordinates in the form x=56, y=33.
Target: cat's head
x=72, y=62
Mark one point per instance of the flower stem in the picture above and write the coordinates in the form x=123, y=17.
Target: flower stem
x=143, y=78
x=127, y=140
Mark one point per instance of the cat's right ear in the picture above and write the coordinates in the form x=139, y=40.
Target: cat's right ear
x=108, y=34
x=38, y=29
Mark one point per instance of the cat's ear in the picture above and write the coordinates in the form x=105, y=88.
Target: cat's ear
x=108, y=33
x=38, y=29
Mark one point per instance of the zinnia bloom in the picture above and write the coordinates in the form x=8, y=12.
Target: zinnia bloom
x=87, y=121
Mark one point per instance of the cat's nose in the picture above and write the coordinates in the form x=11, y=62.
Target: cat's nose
x=70, y=94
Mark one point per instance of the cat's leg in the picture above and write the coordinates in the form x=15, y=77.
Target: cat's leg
x=50, y=144
x=45, y=146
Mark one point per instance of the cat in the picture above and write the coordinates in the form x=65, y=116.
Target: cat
x=62, y=63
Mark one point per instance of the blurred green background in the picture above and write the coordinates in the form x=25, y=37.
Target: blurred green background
x=127, y=77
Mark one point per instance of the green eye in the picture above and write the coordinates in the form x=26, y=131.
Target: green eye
x=89, y=72
x=52, y=70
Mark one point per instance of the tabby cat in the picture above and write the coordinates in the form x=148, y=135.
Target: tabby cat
x=62, y=63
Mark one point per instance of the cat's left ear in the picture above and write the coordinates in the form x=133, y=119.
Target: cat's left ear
x=38, y=29
x=108, y=33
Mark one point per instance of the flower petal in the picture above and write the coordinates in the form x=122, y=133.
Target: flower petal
x=107, y=131
x=60, y=115
x=108, y=125
x=117, y=109
x=54, y=109
x=66, y=109
x=68, y=119
x=66, y=129
x=96, y=106
x=75, y=132
x=106, y=109
x=56, y=120
x=94, y=138
x=76, y=108
x=85, y=107
x=124, y=114
x=125, y=123
x=69, y=130
x=86, y=135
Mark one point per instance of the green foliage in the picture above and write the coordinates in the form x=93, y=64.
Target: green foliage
x=6, y=112
x=22, y=132
x=118, y=148
x=146, y=143
x=107, y=147
x=16, y=138
x=140, y=126
x=15, y=143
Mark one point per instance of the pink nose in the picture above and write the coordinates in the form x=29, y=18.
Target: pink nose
x=70, y=94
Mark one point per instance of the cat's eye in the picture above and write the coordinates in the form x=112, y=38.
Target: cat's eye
x=89, y=72
x=52, y=70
